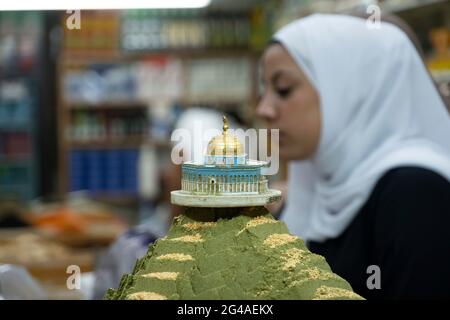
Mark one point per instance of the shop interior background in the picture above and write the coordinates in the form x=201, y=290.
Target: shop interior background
x=86, y=116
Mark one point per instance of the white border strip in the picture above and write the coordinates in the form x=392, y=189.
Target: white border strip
x=21, y=5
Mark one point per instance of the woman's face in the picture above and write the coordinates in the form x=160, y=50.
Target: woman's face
x=289, y=103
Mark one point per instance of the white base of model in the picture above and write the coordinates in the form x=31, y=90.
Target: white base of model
x=187, y=199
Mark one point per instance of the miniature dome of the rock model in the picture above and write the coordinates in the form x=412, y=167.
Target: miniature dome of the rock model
x=225, y=144
x=226, y=178
x=226, y=245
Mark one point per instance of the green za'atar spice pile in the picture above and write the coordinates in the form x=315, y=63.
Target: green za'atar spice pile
x=232, y=253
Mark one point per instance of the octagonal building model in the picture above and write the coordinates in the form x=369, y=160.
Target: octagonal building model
x=226, y=178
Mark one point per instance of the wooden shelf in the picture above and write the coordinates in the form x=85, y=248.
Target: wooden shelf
x=117, y=198
x=410, y=5
x=106, y=105
x=119, y=143
x=22, y=159
x=25, y=126
x=214, y=100
x=222, y=101
x=122, y=143
x=87, y=58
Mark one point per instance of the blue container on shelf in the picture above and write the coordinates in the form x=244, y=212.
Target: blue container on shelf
x=3, y=174
x=2, y=145
x=130, y=170
x=19, y=175
x=3, y=114
x=22, y=112
x=6, y=113
x=112, y=173
x=104, y=171
x=77, y=170
x=95, y=169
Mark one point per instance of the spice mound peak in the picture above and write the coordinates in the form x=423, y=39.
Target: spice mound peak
x=231, y=253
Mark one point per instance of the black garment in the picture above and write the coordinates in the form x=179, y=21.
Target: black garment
x=404, y=228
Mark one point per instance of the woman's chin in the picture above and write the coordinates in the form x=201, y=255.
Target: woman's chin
x=288, y=154
x=285, y=153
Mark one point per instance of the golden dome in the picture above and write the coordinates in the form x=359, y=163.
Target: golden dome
x=225, y=144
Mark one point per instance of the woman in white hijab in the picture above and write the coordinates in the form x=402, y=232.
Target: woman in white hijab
x=368, y=139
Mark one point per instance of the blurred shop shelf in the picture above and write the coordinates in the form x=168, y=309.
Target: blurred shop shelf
x=22, y=159
x=11, y=126
x=106, y=105
x=400, y=6
x=69, y=58
x=115, y=80
x=225, y=102
x=214, y=100
x=297, y=8
x=441, y=76
x=115, y=198
x=118, y=143
x=21, y=100
x=122, y=142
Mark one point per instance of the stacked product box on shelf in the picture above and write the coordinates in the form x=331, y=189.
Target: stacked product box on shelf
x=104, y=171
x=124, y=82
x=130, y=170
x=16, y=104
x=99, y=36
x=161, y=79
x=20, y=62
x=152, y=30
x=16, y=133
x=14, y=144
x=12, y=175
x=20, y=32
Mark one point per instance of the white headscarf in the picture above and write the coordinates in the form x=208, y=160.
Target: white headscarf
x=380, y=110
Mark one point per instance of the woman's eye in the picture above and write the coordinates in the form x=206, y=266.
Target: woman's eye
x=284, y=92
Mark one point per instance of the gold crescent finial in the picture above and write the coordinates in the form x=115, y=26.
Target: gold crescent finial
x=225, y=124
x=225, y=143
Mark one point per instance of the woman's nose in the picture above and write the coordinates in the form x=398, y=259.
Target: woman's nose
x=266, y=110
